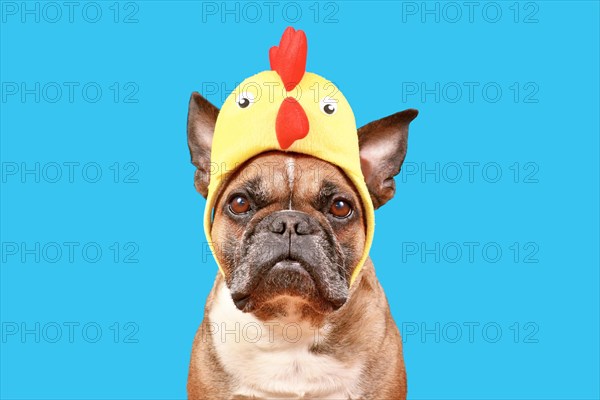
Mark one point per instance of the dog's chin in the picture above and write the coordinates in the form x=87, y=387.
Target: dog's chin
x=287, y=287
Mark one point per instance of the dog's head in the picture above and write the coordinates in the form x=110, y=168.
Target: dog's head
x=289, y=228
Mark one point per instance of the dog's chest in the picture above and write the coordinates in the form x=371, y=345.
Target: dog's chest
x=274, y=359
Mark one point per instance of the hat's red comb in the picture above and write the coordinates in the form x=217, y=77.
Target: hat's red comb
x=289, y=58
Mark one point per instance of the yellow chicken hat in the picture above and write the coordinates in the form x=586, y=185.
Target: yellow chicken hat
x=287, y=109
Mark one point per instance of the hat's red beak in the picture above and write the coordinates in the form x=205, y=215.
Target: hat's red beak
x=291, y=124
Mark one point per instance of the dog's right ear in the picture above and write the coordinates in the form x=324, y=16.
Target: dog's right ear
x=382, y=146
x=202, y=117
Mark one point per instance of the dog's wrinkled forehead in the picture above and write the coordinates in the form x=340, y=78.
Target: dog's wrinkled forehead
x=295, y=181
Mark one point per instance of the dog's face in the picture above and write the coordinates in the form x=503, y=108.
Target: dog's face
x=288, y=226
x=289, y=229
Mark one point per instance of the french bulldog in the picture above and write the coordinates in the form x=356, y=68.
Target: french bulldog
x=285, y=322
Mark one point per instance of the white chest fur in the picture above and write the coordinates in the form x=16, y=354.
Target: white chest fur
x=273, y=359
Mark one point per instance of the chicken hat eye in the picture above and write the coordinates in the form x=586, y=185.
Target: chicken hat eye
x=328, y=105
x=245, y=100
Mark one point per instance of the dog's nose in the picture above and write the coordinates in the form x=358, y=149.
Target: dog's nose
x=292, y=222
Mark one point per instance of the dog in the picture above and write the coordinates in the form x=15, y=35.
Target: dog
x=285, y=319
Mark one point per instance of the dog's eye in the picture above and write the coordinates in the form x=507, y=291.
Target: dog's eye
x=245, y=100
x=328, y=105
x=340, y=208
x=239, y=205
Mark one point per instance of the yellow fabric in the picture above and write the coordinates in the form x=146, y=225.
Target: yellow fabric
x=242, y=133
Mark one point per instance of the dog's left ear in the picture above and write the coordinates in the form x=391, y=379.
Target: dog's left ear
x=202, y=117
x=382, y=150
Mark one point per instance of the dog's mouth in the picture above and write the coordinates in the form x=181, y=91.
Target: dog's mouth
x=289, y=266
x=290, y=278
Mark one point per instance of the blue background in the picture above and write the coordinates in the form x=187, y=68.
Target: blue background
x=374, y=52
